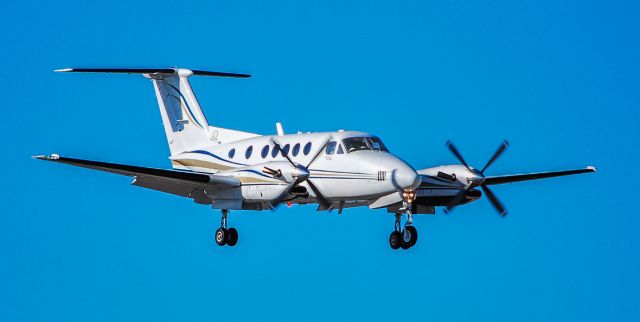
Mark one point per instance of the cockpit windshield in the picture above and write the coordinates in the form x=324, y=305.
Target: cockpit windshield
x=355, y=144
x=362, y=143
x=377, y=144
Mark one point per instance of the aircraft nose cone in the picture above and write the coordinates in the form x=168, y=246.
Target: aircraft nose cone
x=407, y=178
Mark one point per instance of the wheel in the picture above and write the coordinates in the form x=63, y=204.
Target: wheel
x=232, y=237
x=409, y=237
x=395, y=240
x=221, y=236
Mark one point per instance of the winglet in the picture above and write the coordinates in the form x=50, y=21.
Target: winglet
x=592, y=168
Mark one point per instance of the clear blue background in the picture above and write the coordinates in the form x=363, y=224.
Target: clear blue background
x=559, y=79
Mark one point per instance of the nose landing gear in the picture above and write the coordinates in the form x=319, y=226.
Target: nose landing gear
x=407, y=236
x=224, y=235
x=403, y=237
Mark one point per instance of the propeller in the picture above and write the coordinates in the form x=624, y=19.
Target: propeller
x=495, y=202
x=322, y=200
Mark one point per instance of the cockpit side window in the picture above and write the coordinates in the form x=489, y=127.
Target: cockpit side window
x=355, y=144
x=377, y=144
x=331, y=148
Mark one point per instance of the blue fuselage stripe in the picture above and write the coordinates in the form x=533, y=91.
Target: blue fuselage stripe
x=215, y=156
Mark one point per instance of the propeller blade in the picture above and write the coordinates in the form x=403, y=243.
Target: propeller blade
x=321, y=199
x=279, y=147
x=502, y=211
x=324, y=144
x=455, y=152
x=456, y=200
x=495, y=156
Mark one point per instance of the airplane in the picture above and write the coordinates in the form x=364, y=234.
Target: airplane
x=235, y=170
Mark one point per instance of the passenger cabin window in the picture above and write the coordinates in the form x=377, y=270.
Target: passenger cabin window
x=355, y=144
x=331, y=148
x=286, y=148
x=232, y=152
x=275, y=151
x=265, y=151
x=296, y=149
x=340, y=150
x=247, y=154
x=307, y=148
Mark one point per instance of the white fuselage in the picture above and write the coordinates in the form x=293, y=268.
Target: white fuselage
x=341, y=175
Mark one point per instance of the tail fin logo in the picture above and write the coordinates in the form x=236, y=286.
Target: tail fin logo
x=185, y=105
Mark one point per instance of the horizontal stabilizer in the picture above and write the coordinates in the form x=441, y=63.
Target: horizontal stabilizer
x=149, y=71
x=534, y=176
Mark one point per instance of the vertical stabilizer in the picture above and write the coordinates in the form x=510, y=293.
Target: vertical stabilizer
x=184, y=122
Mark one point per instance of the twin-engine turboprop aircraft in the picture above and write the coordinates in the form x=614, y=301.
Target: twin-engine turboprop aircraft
x=234, y=170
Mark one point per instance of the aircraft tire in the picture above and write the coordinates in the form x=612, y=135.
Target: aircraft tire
x=232, y=237
x=395, y=240
x=414, y=236
x=221, y=236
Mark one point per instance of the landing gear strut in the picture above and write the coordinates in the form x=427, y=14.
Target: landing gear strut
x=407, y=236
x=224, y=235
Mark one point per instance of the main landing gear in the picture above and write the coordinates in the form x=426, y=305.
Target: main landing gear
x=224, y=235
x=407, y=236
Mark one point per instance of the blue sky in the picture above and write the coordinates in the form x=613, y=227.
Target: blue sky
x=558, y=79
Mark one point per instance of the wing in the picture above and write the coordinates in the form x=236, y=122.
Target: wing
x=186, y=184
x=534, y=176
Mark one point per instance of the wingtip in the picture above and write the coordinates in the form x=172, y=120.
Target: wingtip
x=63, y=70
x=592, y=168
x=52, y=156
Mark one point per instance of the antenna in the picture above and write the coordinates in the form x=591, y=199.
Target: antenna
x=279, y=129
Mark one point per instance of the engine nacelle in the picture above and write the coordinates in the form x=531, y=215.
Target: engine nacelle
x=261, y=193
x=473, y=194
x=454, y=174
x=300, y=191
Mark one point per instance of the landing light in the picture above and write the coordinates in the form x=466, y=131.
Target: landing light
x=409, y=195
